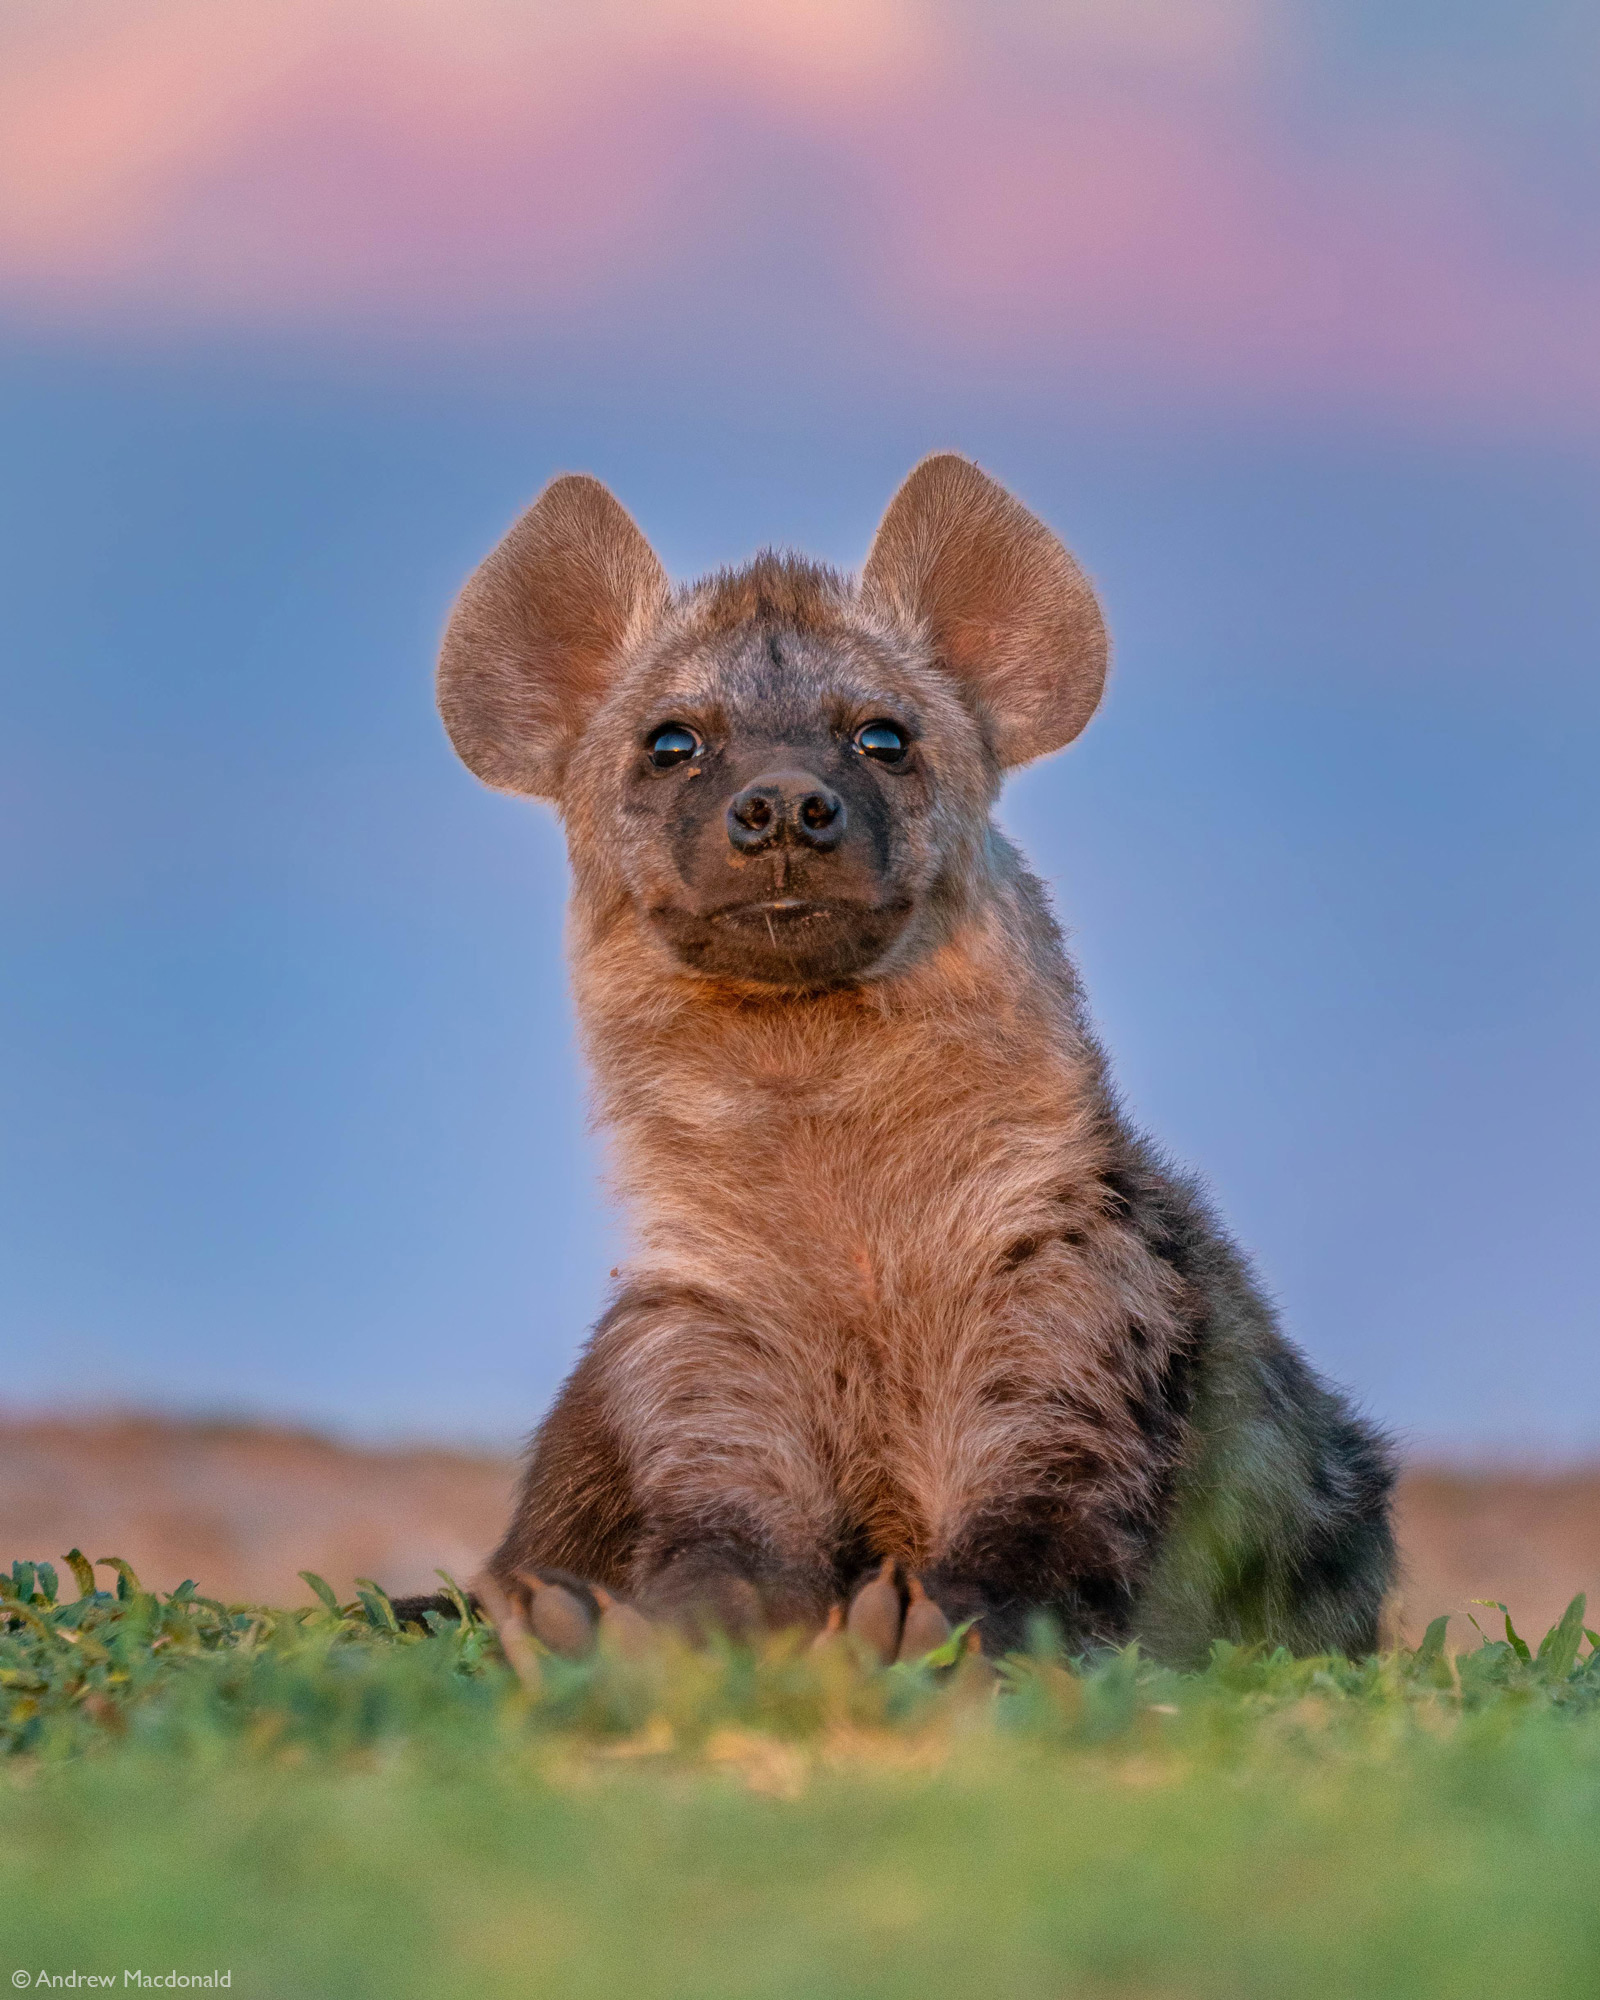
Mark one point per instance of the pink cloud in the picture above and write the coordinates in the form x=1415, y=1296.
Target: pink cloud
x=1106, y=186
x=1168, y=230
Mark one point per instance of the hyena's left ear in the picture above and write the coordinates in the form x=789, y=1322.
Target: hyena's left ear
x=1011, y=616
x=535, y=636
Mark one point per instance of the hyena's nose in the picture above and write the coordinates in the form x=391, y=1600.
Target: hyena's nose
x=786, y=805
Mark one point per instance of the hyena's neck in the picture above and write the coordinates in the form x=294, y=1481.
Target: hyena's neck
x=853, y=1149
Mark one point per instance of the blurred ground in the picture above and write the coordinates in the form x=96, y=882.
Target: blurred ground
x=242, y=1508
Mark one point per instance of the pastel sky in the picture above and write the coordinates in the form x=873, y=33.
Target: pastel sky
x=1285, y=312
x=1251, y=198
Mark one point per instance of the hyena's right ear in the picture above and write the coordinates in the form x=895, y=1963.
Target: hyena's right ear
x=536, y=634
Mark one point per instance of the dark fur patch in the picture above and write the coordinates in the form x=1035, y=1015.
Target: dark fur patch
x=414, y=1610
x=775, y=589
x=1038, y=1553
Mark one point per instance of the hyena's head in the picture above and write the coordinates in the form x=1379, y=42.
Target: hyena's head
x=783, y=775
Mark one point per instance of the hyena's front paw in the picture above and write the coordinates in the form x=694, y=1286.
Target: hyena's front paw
x=890, y=1623
x=567, y=1615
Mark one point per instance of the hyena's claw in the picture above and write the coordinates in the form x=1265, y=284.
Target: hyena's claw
x=873, y=1620
x=521, y=1655
x=566, y=1615
x=976, y=1668
x=832, y=1629
x=925, y=1626
x=623, y=1629
x=557, y=1617
x=890, y=1627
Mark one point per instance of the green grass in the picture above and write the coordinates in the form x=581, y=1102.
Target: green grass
x=326, y=1806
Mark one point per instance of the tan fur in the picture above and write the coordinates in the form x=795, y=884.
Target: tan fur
x=921, y=1129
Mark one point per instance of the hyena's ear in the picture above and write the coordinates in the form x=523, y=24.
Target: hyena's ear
x=1011, y=616
x=535, y=636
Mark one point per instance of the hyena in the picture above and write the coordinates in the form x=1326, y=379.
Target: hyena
x=908, y=1299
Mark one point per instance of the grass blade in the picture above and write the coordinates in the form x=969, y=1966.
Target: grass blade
x=82, y=1570
x=375, y=1602
x=1431, y=1651
x=322, y=1589
x=1558, y=1650
x=128, y=1585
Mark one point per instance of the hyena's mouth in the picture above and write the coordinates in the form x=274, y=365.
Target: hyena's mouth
x=789, y=941
x=787, y=911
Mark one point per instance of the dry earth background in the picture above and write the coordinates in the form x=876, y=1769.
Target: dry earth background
x=242, y=1508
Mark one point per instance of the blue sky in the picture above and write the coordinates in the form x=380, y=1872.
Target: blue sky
x=293, y=1118
x=1287, y=316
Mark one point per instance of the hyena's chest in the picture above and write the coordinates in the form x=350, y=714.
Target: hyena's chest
x=903, y=1334
x=944, y=1400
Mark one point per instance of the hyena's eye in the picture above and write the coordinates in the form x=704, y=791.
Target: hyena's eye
x=884, y=741
x=672, y=745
